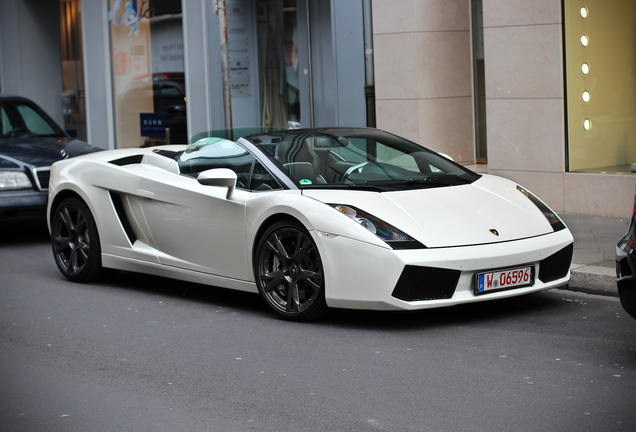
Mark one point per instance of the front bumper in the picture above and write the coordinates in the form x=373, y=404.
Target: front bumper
x=22, y=206
x=626, y=269
x=362, y=276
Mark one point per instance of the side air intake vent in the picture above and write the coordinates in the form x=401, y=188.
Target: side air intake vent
x=128, y=160
x=121, y=214
x=557, y=265
x=426, y=283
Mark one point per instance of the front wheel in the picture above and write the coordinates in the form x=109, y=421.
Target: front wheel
x=289, y=272
x=75, y=241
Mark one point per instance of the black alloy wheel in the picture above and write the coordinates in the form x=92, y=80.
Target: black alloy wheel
x=75, y=241
x=289, y=272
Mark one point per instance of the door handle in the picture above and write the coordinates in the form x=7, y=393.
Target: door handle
x=145, y=193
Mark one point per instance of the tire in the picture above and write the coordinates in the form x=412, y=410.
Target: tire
x=75, y=241
x=289, y=272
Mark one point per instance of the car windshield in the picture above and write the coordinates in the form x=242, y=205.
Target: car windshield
x=21, y=118
x=358, y=158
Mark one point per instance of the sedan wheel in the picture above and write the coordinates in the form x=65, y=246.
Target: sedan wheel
x=289, y=272
x=75, y=241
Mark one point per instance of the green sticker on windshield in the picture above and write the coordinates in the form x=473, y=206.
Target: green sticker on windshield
x=305, y=182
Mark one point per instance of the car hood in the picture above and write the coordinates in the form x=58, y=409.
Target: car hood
x=43, y=151
x=450, y=216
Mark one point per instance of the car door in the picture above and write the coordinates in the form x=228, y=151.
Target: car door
x=198, y=227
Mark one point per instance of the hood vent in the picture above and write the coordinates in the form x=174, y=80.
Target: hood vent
x=128, y=160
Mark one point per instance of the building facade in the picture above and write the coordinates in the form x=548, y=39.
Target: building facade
x=539, y=92
x=542, y=91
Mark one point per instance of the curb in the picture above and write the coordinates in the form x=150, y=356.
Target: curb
x=593, y=280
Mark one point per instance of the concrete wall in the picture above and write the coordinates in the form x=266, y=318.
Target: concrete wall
x=31, y=56
x=423, y=73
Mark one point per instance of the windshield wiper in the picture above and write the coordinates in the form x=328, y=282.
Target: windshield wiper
x=438, y=178
x=447, y=178
x=351, y=186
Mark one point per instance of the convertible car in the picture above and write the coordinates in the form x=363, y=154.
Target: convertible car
x=309, y=219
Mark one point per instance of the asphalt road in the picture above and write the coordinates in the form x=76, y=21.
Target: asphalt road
x=142, y=353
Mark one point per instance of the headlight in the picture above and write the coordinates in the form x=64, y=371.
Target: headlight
x=554, y=220
x=394, y=237
x=14, y=180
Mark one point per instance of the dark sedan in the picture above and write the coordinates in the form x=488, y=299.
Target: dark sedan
x=30, y=141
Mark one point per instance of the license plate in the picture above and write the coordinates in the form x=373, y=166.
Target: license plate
x=504, y=279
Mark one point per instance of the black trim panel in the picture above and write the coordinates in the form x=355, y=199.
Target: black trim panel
x=121, y=214
x=128, y=160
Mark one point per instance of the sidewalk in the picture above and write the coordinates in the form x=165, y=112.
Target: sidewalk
x=594, y=265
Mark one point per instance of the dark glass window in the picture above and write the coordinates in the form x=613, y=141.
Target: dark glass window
x=262, y=180
x=210, y=153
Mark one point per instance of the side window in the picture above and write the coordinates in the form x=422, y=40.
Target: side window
x=242, y=167
x=5, y=123
x=210, y=153
x=262, y=180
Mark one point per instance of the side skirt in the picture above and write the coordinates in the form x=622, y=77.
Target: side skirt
x=129, y=264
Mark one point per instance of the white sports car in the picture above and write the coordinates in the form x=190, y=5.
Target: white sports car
x=310, y=219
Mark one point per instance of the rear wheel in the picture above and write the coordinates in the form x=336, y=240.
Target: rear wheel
x=289, y=272
x=75, y=241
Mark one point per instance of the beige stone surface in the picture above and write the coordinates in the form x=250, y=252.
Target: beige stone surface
x=393, y=16
x=502, y=13
x=526, y=134
x=399, y=117
x=396, y=74
x=400, y=16
x=447, y=15
x=443, y=64
x=599, y=194
x=524, y=62
x=446, y=125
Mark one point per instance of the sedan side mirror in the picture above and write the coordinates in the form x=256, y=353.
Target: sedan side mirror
x=223, y=177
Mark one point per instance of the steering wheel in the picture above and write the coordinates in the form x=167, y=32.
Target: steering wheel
x=357, y=167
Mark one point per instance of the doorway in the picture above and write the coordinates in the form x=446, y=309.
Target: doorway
x=73, y=97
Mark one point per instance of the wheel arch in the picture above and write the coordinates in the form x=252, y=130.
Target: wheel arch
x=61, y=196
x=76, y=246
x=317, y=306
x=268, y=222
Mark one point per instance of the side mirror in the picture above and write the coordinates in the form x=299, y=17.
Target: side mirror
x=222, y=177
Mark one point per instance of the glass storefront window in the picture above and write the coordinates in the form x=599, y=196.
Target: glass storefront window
x=600, y=52
x=146, y=48
x=279, y=76
x=73, y=101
